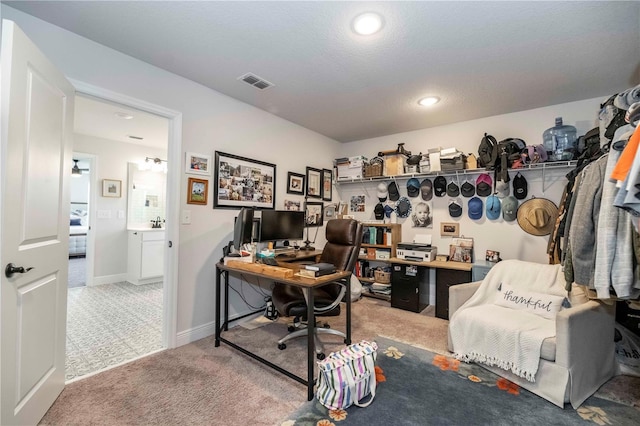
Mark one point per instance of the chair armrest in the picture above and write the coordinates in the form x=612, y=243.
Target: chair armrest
x=460, y=293
x=586, y=329
x=585, y=346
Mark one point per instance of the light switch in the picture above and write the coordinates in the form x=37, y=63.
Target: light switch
x=186, y=217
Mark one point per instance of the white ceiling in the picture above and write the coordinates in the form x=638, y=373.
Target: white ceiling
x=481, y=58
x=100, y=118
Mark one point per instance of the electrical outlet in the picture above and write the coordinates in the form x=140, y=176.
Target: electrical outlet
x=186, y=217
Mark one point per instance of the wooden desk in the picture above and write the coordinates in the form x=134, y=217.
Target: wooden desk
x=306, y=284
x=447, y=274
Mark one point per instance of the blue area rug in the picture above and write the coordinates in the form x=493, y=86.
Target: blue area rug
x=418, y=387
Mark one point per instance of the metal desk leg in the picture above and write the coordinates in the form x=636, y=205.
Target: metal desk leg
x=226, y=301
x=347, y=339
x=218, y=273
x=311, y=348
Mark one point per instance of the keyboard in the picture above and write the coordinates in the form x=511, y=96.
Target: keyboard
x=269, y=261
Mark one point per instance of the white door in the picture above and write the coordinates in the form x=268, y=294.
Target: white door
x=37, y=125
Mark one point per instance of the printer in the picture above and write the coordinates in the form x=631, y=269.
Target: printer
x=420, y=250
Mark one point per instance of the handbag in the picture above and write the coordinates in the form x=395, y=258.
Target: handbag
x=347, y=376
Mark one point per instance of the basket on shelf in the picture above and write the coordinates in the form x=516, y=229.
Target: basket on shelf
x=372, y=170
x=382, y=277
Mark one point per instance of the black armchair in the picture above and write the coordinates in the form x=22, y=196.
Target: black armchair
x=343, y=246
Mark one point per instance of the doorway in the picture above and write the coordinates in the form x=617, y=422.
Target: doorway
x=110, y=320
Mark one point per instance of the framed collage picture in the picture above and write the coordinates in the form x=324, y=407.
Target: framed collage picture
x=243, y=182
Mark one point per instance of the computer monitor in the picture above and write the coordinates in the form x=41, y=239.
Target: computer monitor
x=242, y=230
x=279, y=225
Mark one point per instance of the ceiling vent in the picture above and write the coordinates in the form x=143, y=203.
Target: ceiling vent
x=256, y=81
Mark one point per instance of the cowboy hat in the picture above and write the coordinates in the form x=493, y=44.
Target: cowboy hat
x=537, y=216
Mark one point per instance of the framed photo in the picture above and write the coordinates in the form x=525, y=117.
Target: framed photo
x=295, y=183
x=111, y=188
x=327, y=181
x=492, y=256
x=243, y=182
x=198, y=164
x=449, y=229
x=314, y=183
x=330, y=211
x=293, y=205
x=313, y=213
x=197, y=191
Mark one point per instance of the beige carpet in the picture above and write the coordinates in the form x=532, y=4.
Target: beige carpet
x=198, y=384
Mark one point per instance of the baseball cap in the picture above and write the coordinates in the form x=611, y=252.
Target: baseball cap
x=502, y=189
x=520, y=187
x=483, y=185
x=394, y=195
x=493, y=207
x=383, y=192
x=426, y=188
x=378, y=211
x=510, y=208
x=403, y=207
x=467, y=189
x=455, y=207
x=388, y=210
x=440, y=186
x=452, y=189
x=475, y=208
x=413, y=187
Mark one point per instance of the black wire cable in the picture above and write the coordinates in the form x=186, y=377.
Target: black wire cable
x=241, y=294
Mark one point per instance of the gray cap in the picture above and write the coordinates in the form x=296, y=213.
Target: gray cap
x=510, y=208
x=502, y=189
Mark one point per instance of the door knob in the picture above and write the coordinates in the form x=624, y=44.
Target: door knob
x=11, y=269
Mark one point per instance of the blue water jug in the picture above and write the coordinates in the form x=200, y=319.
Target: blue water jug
x=560, y=142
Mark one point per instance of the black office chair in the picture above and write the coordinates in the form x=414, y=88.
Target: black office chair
x=343, y=246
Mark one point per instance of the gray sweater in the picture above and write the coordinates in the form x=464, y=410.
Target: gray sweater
x=584, y=223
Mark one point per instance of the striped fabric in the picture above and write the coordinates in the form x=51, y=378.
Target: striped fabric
x=347, y=376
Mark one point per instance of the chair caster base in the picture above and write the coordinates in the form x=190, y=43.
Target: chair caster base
x=282, y=346
x=291, y=329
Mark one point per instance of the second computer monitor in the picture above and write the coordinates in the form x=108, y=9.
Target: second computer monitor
x=281, y=225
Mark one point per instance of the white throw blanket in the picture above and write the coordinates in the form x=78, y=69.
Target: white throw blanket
x=494, y=335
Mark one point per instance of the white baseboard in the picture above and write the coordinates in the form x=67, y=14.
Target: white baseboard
x=205, y=330
x=109, y=279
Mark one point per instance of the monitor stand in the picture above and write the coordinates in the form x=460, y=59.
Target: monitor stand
x=307, y=246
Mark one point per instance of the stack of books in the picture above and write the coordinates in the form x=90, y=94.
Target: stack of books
x=317, y=270
x=378, y=288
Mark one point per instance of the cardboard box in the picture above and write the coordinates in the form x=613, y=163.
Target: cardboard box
x=371, y=253
x=393, y=165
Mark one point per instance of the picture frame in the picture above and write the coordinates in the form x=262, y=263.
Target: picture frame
x=449, y=229
x=327, y=184
x=111, y=188
x=293, y=205
x=492, y=256
x=243, y=182
x=295, y=183
x=197, y=164
x=330, y=212
x=313, y=213
x=314, y=183
x=197, y=191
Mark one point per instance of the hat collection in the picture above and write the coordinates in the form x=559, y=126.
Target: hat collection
x=535, y=216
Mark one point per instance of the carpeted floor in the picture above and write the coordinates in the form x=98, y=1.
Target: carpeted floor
x=111, y=323
x=198, y=384
x=420, y=387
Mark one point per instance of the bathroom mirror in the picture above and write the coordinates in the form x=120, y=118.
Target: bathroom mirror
x=146, y=196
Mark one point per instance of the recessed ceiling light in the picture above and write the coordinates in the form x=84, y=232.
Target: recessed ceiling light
x=367, y=23
x=123, y=115
x=429, y=100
